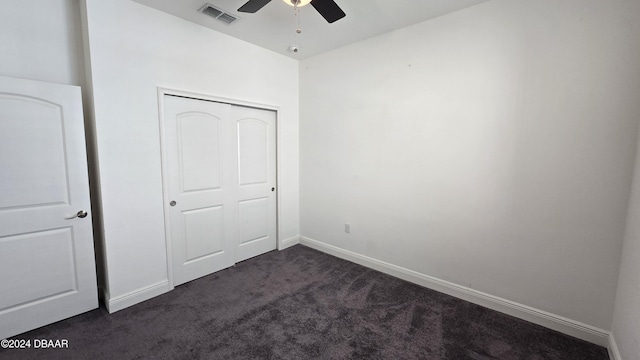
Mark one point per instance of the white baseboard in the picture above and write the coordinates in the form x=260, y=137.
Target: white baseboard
x=289, y=242
x=114, y=304
x=136, y=296
x=552, y=321
x=614, y=353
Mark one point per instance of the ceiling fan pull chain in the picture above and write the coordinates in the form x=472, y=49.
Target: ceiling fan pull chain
x=296, y=13
x=298, y=28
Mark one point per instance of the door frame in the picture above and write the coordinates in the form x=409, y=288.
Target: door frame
x=162, y=92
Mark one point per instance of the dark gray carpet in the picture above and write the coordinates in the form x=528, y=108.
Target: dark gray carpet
x=303, y=304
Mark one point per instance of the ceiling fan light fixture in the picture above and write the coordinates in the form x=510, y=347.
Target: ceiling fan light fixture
x=298, y=3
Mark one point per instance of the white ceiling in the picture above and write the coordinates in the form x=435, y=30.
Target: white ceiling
x=273, y=27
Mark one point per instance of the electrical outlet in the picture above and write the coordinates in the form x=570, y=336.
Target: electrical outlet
x=347, y=228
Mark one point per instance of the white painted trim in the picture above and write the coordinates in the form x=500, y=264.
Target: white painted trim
x=552, y=321
x=165, y=192
x=289, y=242
x=220, y=99
x=614, y=353
x=162, y=91
x=136, y=296
x=279, y=240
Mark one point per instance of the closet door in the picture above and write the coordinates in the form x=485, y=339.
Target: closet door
x=198, y=143
x=219, y=172
x=256, y=134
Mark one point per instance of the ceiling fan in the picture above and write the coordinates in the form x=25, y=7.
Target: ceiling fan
x=327, y=8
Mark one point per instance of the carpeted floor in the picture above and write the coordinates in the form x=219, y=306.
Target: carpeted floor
x=303, y=304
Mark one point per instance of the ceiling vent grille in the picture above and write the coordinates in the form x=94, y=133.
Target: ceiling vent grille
x=218, y=14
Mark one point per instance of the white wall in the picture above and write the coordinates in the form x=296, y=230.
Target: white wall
x=41, y=40
x=492, y=148
x=626, y=317
x=133, y=50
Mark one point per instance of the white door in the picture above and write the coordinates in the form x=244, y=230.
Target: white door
x=256, y=134
x=47, y=264
x=220, y=171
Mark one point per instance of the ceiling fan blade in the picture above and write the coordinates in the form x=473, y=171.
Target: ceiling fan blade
x=328, y=9
x=252, y=6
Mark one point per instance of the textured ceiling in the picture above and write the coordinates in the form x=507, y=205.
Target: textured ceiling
x=273, y=27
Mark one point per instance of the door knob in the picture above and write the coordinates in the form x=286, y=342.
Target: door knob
x=81, y=214
x=172, y=203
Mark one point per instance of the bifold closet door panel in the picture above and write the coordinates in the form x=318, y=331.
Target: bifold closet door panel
x=220, y=175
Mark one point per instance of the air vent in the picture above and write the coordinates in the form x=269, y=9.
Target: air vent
x=218, y=13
